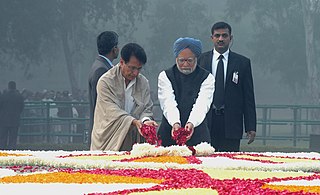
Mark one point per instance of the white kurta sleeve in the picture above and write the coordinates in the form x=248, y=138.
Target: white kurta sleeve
x=203, y=102
x=167, y=100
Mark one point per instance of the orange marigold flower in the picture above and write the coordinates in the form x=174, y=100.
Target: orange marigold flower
x=11, y=154
x=291, y=188
x=63, y=177
x=163, y=159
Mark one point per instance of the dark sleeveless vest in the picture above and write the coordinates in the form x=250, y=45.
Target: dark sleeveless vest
x=186, y=89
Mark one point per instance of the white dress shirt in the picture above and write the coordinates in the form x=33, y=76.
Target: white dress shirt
x=129, y=101
x=128, y=96
x=215, y=60
x=169, y=105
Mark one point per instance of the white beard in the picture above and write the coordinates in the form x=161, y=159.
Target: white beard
x=187, y=71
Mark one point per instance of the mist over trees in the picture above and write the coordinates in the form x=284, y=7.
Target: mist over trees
x=178, y=20
x=51, y=44
x=34, y=31
x=285, y=40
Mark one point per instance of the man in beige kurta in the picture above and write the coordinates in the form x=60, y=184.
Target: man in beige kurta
x=118, y=115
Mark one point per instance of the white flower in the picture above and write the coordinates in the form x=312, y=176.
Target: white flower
x=179, y=151
x=204, y=149
x=145, y=149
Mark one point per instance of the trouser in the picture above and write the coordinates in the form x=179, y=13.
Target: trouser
x=8, y=137
x=218, y=137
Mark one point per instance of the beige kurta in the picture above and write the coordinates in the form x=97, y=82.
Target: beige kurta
x=112, y=124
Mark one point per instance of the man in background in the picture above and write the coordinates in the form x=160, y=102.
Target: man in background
x=233, y=101
x=107, y=44
x=11, y=107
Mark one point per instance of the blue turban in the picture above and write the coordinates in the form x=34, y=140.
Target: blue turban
x=194, y=45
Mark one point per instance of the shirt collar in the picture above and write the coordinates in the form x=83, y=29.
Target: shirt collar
x=131, y=83
x=106, y=59
x=217, y=54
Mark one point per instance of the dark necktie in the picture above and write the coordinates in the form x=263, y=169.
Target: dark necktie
x=218, y=100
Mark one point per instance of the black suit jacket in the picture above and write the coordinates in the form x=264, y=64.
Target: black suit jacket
x=99, y=67
x=240, y=105
x=11, y=107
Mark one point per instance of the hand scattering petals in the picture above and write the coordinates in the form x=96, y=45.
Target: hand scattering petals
x=149, y=132
x=180, y=136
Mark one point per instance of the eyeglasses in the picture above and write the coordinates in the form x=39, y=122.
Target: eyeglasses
x=190, y=61
x=133, y=68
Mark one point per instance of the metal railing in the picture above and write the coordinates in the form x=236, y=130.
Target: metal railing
x=54, y=122
x=45, y=122
x=295, y=122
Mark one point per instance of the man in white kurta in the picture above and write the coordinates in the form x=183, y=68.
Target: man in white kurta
x=123, y=103
x=185, y=94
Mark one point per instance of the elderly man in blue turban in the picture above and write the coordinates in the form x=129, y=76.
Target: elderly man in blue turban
x=185, y=93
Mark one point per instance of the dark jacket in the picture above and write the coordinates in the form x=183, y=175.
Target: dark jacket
x=99, y=67
x=239, y=97
x=11, y=107
x=186, y=89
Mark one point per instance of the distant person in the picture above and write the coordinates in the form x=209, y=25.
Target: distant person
x=107, y=44
x=64, y=111
x=27, y=95
x=123, y=103
x=233, y=101
x=65, y=108
x=185, y=94
x=48, y=97
x=11, y=107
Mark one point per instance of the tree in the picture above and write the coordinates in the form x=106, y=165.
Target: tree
x=311, y=11
x=278, y=24
x=29, y=28
x=170, y=20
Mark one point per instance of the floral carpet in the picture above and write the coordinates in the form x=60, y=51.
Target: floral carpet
x=85, y=172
